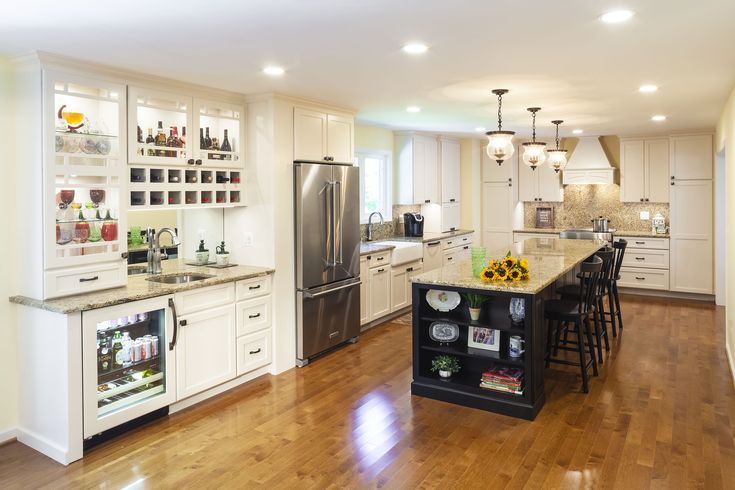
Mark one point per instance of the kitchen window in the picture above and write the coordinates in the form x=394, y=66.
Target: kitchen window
x=375, y=184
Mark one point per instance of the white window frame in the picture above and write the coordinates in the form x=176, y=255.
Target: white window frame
x=387, y=204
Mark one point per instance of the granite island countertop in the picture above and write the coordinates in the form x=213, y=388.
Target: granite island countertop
x=138, y=288
x=615, y=232
x=548, y=260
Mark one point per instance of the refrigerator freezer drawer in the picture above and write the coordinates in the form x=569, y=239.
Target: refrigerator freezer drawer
x=326, y=318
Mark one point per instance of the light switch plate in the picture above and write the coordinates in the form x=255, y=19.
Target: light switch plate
x=645, y=215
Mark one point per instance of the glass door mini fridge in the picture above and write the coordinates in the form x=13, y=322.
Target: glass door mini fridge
x=128, y=362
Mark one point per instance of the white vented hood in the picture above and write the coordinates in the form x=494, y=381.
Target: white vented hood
x=588, y=164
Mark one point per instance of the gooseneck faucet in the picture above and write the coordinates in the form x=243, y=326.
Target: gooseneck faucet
x=370, y=224
x=154, y=249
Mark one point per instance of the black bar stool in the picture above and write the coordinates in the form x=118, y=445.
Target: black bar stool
x=613, y=297
x=560, y=313
x=571, y=291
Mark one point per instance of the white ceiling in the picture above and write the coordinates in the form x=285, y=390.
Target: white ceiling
x=554, y=54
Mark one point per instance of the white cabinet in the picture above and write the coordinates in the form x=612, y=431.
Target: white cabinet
x=497, y=212
x=691, y=157
x=691, y=236
x=542, y=184
x=432, y=255
x=380, y=291
x=253, y=351
x=645, y=263
x=644, y=170
x=401, y=284
x=492, y=172
x=439, y=218
x=205, y=351
x=417, y=169
x=319, y=136
x=364, y=291
x=450, y=165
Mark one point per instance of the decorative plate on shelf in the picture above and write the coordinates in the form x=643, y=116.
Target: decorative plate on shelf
x=442, y=300
x=444, y=332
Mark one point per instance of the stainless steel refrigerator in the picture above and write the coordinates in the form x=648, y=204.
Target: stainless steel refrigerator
x=327, y=256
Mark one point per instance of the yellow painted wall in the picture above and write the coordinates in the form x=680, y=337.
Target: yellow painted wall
x=373, y=138
x=8, y=271
x=725, y=138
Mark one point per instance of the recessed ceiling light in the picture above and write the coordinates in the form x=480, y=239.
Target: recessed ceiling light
x=415, y=48
x=647, y=89
x=274, y=70
x=658, y=118
x=413, y=108
x=616, y=16
x=480, y=129
x=577, y=131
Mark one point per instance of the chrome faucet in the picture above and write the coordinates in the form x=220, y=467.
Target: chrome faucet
x=370, y=224
x=154, y=249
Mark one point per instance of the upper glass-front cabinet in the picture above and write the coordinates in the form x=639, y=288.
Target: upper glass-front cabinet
x=220, y=133
x=84, y=145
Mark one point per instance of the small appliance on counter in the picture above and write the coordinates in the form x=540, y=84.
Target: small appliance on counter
x=413, y=224
x=658, y=225
x=600, y=225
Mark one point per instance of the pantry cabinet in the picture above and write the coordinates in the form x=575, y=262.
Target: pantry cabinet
x=644, y=167
x=497, y=212
x=691, y=237
x=417, y=169
x=320, y=136
x=691, y=157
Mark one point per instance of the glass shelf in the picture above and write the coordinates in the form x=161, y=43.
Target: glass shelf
x=80, y=134
x=91, y=220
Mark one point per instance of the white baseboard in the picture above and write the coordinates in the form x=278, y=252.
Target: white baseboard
x=9, y=435
x=709, y=298
x=44, y=446
x=731, y=362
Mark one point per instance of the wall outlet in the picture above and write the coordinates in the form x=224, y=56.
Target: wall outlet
x=645, y=215
x=247, y=238
x=202, y=234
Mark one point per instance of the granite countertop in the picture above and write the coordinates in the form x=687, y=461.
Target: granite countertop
x=619, y=233
x=374, y=247
x=548, y=260
x=548, y=231
x=138, y=288
x=381, y=246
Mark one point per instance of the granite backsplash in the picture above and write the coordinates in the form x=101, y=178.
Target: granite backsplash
x=392, y=227
x=582, y=203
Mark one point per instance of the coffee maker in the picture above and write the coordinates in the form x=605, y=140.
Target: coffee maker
x=413, y=224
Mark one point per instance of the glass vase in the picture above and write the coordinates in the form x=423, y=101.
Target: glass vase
x=478, y=260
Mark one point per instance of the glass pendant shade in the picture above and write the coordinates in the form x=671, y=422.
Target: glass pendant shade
x=534, y=154
x=500, y=145
x=557, y=159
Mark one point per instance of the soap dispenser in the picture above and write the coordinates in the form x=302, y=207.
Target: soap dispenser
x=222, y=256
x=202, y=254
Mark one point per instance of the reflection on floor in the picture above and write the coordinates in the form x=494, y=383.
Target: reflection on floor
x=660, y=414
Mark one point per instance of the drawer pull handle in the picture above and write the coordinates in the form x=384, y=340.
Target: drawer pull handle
x=452, y=228
x=640, y=278
x=333, y=334
x=640, y=243
x=431, y=244
x=255, y=351
x=381, y=270
x=254, y=316
x=409, y=269
x=449, y=258
x=640, y=258
x=466, y=247
x=88, y=279
x=449, y=243
x=254, y=287
x=380, y=258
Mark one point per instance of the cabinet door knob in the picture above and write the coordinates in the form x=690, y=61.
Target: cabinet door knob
x=190, y=161
x=672, y=182
x=672, y=177
x=427, y=201
x=326, y=158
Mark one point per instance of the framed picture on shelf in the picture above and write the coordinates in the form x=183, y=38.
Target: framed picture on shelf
x=483, y=338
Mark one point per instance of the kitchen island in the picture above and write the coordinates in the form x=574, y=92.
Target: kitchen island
x=549, y=261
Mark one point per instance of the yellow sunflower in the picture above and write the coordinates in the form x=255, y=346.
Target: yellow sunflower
x=487, y=274
x=509, y=262
x=494, y=264
x=526, y=275
x=523, y=263
x=515, y=274
x=501, y=274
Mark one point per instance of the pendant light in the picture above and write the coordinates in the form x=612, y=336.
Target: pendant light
x=557, y=156
x=533, y=151
x=500, y=143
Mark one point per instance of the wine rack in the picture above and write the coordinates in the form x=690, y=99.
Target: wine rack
x=155, y=187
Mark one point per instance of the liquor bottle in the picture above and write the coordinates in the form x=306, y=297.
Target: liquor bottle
x=214, y=146
x=221, y=179
x=201, y=139
x=170, y=143
x=177, y=141
x=183, y=136
x=140, y=135
x=191, y=178
x=149, y=141
x=104, y=359
x=117, y=355
x=207, y=140
x=160, y=139
x=225, y=143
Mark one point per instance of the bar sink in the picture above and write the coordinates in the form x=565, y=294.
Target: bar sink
x=178, y=278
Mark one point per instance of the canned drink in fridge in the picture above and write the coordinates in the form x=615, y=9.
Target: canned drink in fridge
x=147, y=348
x=137, y=355
x=154, y=345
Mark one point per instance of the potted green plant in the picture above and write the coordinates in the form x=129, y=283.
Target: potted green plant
x=474, y=303
x=446, y=365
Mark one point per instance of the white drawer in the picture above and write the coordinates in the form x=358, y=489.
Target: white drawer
x=378, y=259
x=451, y=242
x=451, y=257
x=253, y=351
x=77, y=280
x=252, y=288
x=644, y=278
x=253, y=315
x=204, y=298
x=465, y=239
x=641, y=257
x=638, y=242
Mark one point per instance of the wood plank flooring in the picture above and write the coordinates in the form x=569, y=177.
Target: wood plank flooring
x=660, y=415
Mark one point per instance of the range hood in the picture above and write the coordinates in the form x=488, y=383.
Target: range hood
x=588, y=164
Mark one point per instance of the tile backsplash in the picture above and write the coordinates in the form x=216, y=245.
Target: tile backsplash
x=582, y=203
x=392, y=227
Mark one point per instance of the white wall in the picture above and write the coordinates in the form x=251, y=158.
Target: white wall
x=8, y=266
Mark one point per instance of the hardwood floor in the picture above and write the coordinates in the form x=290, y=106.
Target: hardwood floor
x=660, y=415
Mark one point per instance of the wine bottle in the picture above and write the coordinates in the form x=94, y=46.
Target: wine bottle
x=183, y=136
x=225, y=144
x=160, y=139
x=201, y=139
x=170, y=143
x=207, y=140
x=207, y=178
x=140, y=135
x=149, y=141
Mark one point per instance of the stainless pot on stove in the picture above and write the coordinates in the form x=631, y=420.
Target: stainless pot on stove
x=600, y=225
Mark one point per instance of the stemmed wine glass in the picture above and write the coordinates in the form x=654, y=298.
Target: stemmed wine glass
x=96, y=196
x=67, y=197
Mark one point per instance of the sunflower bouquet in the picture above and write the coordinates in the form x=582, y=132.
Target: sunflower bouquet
x=508, y=268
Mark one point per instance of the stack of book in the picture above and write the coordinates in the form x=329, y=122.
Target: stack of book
x=505, y=379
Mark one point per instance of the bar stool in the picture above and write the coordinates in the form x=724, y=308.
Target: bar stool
x=613, y=297
x=560, y=313
x=571, y=291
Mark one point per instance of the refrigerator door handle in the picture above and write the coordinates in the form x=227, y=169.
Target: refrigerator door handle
x=328, y=206
x=330, y=291
x=337, y=193
x=333, y=185
x=172, y=305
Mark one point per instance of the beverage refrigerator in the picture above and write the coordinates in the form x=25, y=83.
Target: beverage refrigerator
x=128, y=362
